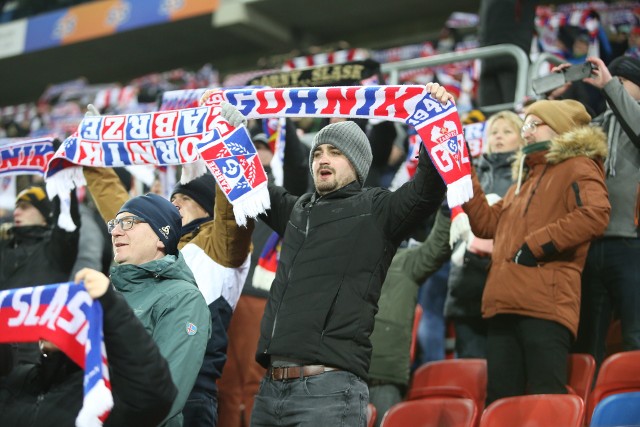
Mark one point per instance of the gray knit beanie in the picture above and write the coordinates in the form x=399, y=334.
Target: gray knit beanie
x=351, y=140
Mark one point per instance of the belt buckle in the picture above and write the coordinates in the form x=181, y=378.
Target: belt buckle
x=284, y=373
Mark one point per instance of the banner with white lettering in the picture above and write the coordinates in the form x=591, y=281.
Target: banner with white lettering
x=66, y=315
x=20, y=156
x=183, y=136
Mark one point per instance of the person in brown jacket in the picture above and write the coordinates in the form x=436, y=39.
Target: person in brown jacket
x=541, y=230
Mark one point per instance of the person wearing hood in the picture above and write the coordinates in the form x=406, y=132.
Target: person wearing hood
x=35, y=250
x=541, y=231
x=610, y=279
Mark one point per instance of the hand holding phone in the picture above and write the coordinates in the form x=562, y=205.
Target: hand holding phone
x=546, y=84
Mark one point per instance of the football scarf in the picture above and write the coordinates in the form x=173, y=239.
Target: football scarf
x=66, y=315
x=438, y=126
x=265, y=270
x=19, y=156
x=184, y=136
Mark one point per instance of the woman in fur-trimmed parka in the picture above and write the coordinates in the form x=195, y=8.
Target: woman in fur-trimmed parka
x=541, y=230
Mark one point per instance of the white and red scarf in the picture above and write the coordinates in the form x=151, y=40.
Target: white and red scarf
x=184, y=136
x=66, y=315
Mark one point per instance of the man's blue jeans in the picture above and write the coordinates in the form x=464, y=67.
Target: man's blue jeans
x=610, y=285
x=335, y=398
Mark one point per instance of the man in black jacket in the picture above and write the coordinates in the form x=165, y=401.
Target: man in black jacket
x=49, y=393
x=338, y=244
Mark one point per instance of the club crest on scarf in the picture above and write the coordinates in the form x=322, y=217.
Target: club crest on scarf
x=233, y=160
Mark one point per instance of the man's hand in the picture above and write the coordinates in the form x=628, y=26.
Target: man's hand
x=439, y=93
x=524, y=256
x=231, y=114
x=95, y=282
x=601, y=74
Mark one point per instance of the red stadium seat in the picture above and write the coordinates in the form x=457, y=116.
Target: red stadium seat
x=535, y=410
x=451, y=378
x=414, y=333
x=432, y=412
x=372, y=413
x=619, y=373
x=581, y=370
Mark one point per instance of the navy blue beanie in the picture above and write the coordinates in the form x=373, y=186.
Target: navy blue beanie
x=163, y=217
x=201, y=189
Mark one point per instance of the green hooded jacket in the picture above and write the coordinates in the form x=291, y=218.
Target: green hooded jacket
x=391, y=337
x=164, y=296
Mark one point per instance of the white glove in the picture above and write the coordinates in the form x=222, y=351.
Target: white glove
x=191, y=171
x=457, y=257
x=460, y=229
x=492, y=198
x=91, y=111
x=231, y=114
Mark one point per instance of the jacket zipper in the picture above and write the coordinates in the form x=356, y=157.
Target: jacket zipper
x=533, y=192
x=36, y=410
x=306, y=233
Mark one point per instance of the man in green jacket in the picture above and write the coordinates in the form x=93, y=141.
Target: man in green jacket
x=389, y=371
x=160, y=288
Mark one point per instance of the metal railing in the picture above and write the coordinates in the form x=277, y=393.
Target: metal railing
x=522, y=60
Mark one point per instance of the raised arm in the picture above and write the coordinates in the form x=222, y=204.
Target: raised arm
x=106, y=189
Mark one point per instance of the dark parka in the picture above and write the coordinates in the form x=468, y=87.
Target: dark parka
x=335, y=255
x=50, y=393
x=32, y=256
x=562, y=205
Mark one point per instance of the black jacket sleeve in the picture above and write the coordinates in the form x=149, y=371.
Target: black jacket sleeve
x=413, y=201
x=142, y=388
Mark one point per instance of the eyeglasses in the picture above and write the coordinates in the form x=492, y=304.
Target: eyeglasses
x=530, y=128
x=126, y=223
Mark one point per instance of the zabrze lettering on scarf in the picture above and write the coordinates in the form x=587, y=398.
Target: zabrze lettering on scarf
x=19, y=156
x=181, y=136
x=66, y=315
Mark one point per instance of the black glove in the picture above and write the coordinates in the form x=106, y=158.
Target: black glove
x=524, y=256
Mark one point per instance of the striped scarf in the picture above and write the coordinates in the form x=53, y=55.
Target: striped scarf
x=186, y=135
x=66, y=315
